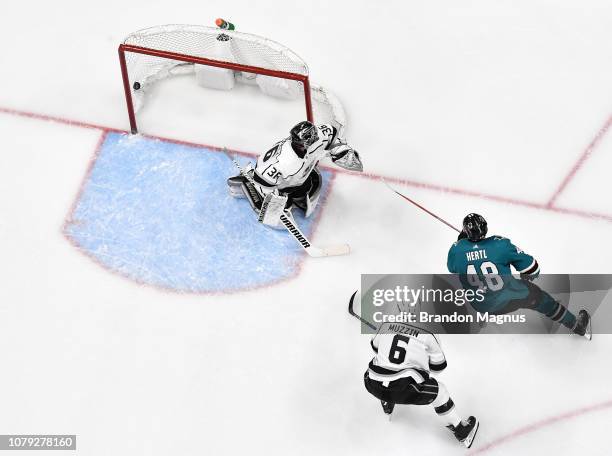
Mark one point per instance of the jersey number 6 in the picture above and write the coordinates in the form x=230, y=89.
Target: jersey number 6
x=397, y=354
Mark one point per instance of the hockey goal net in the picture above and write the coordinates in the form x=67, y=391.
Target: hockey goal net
x=219, y=59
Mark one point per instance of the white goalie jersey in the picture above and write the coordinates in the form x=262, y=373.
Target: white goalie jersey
x=403, y=351
x=286, y=176
x=281, y=168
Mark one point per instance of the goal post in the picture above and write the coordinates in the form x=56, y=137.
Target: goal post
x=158, y=52
x=123, y=48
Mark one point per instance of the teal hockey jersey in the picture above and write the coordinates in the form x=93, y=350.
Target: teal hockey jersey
x=487, y=264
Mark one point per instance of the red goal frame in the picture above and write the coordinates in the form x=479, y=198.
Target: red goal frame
x=123, y=48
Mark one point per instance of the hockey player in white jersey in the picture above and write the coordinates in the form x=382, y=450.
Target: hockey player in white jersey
x=287, y=176
x=399, y=374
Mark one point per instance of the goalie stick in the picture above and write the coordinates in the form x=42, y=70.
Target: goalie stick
x=315, y=252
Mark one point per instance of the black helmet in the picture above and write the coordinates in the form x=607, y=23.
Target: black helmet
x=303, y=135
x=475, y=227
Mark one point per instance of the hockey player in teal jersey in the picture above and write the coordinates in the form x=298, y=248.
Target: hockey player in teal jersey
x=487, y=262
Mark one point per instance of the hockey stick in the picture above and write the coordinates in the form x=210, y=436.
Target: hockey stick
x=420, y=207
x=315, y=252
x=351, y=309
x=356, y=315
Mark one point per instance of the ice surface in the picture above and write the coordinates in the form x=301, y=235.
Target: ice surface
x=160, y=213
x=474, y=104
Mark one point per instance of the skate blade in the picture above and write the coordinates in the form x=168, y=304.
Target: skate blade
x=470, y=438
x=589, y=330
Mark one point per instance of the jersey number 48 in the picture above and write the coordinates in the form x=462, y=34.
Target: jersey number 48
x=490, y=274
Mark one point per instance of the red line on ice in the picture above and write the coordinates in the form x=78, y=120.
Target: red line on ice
x=497, y=198
x=541, y=424
x=70, y=220
x=549, y=206
x=580, y=162
x=75, y=123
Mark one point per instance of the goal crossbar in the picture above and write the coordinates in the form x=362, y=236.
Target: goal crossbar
x=123, y=48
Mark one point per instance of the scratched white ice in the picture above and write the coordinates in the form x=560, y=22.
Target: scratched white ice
x=497, y=107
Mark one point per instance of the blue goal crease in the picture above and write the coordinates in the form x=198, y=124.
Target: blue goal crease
x=159, y=212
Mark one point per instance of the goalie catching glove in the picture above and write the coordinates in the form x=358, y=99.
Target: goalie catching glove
x=347, y=158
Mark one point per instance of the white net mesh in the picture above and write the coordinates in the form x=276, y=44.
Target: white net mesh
x=224, y=45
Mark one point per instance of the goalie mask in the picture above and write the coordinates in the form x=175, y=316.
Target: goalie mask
x=303, y=135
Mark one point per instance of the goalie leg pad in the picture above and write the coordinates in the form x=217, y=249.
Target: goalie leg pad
x=235, y=186
x=240, y=187
x=271, y=209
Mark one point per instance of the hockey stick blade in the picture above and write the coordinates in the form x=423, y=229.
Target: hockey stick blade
x=351, y=310
x=331, y=250
x=315, y=252
x=356, y=315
